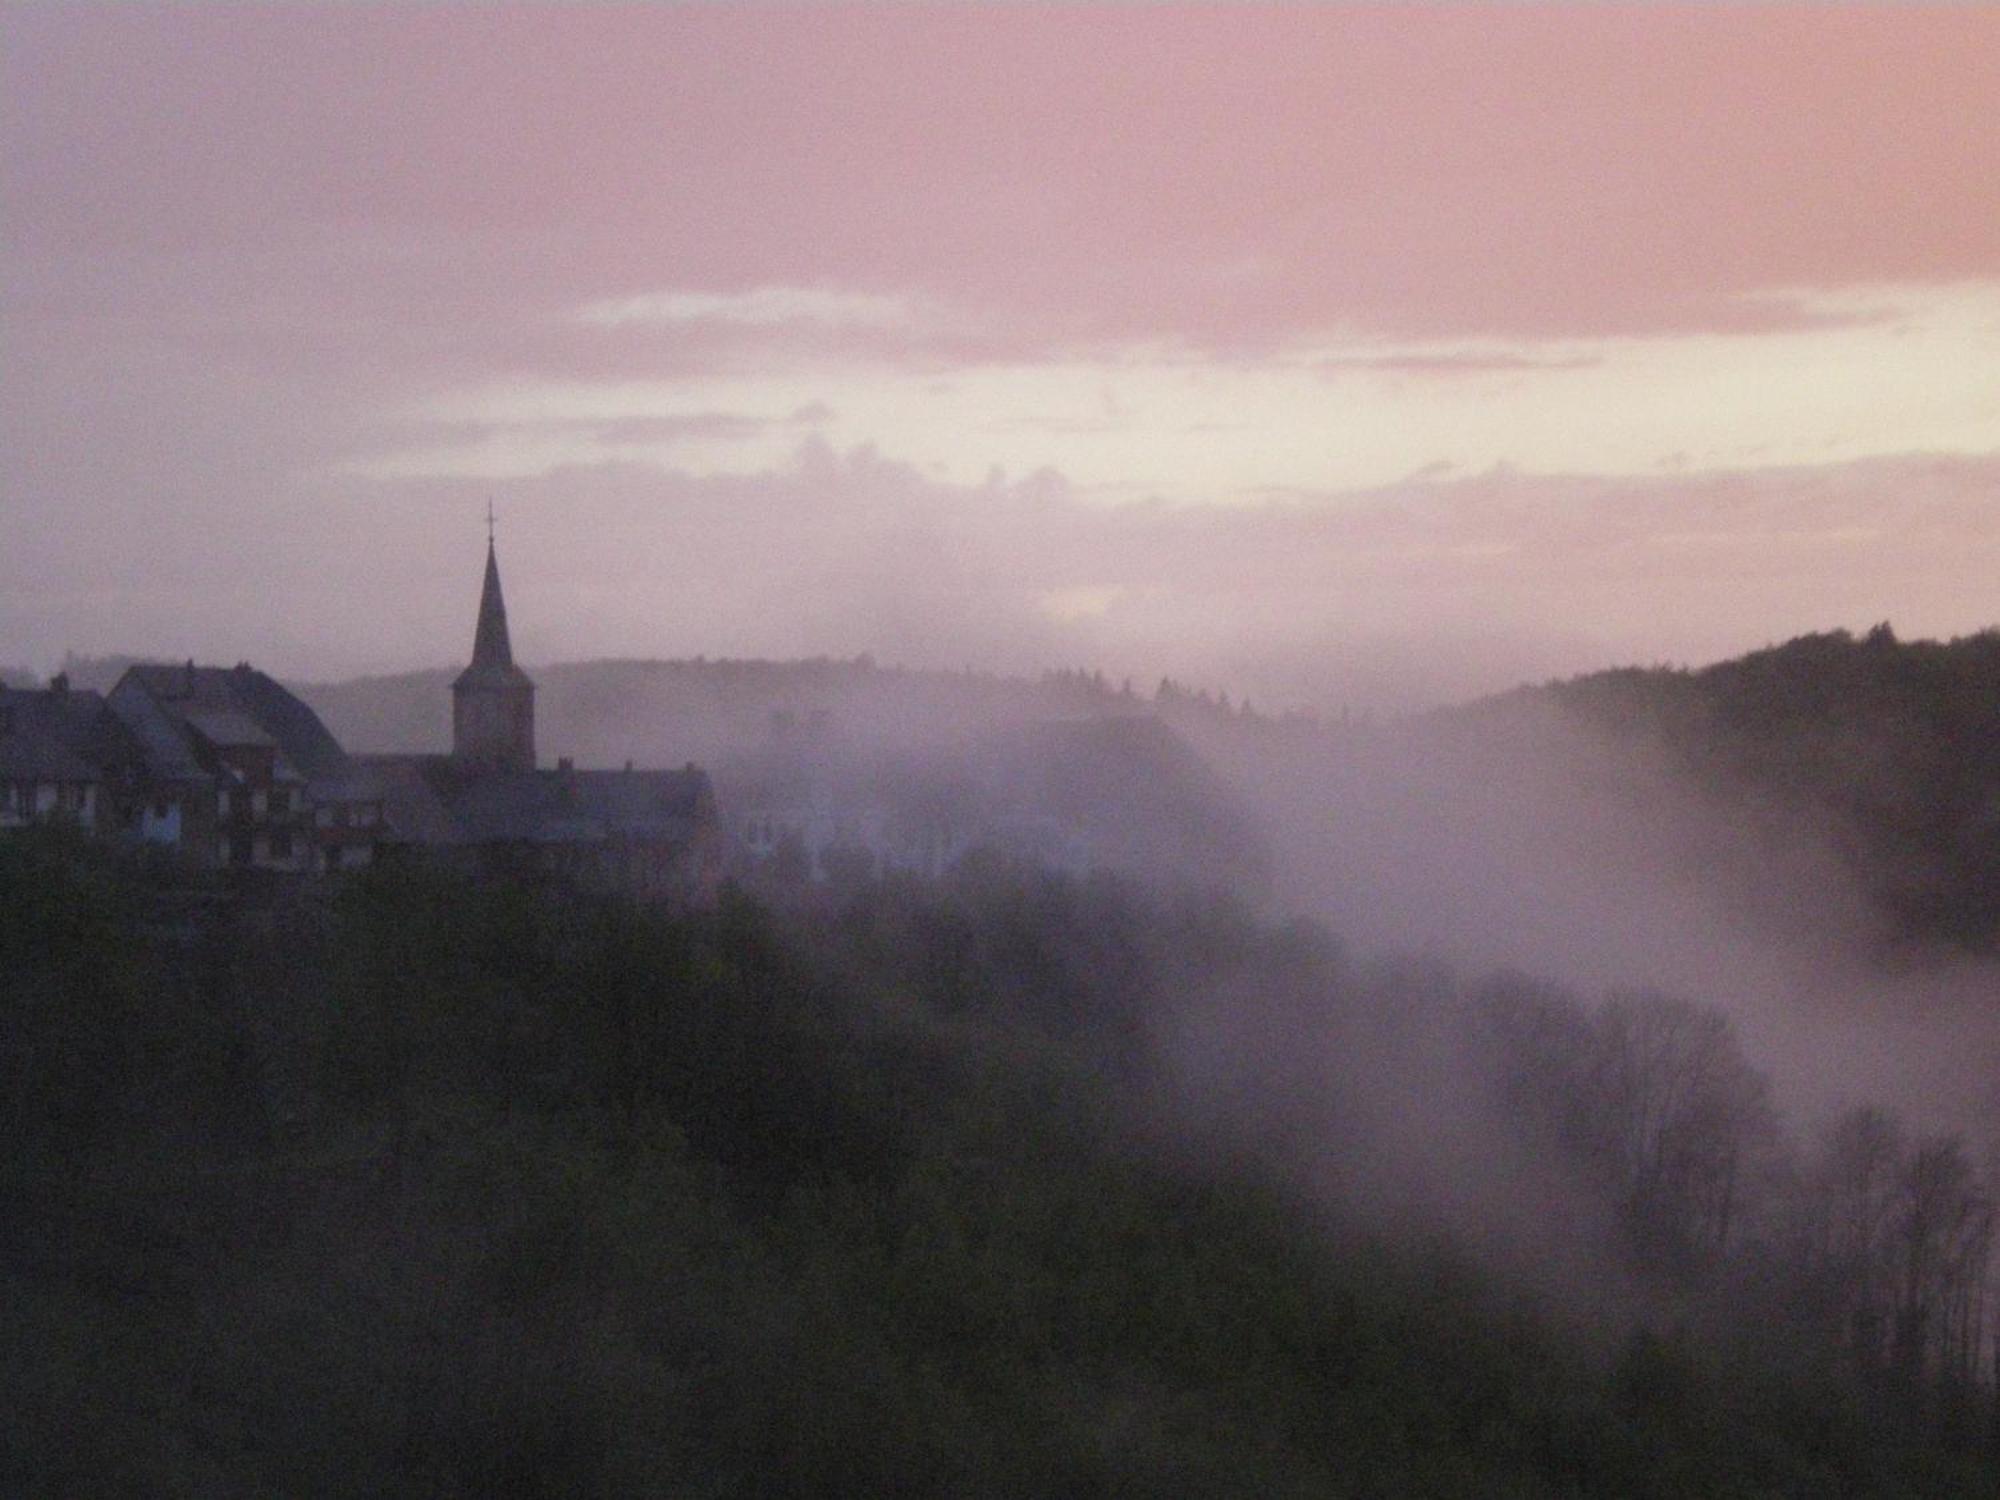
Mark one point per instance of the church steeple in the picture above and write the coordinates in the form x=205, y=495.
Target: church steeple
x=493, y=701
x=490, y=646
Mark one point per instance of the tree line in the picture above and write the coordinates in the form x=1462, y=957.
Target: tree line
x=1892, y=745
x=1012, y=1184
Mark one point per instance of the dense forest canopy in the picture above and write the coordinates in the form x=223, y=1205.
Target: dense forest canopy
x=1015, y=1185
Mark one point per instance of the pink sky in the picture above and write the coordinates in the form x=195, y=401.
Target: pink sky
x=1330, y=352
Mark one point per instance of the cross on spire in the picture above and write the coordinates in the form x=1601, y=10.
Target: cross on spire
x=493, y=701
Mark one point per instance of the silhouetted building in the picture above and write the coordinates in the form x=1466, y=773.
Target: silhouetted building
x=233, y=771
x=493, y=700
x=237, y=772
x=65, y=757
x=650, y=834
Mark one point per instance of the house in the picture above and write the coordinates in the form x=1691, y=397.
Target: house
x=1103, y=792
x=816, y=832
x=65, y=757
x=487, y=806
x=808, y=809
x=239, y=774
x=232, y=770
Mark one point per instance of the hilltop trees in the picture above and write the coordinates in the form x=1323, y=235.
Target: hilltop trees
x=527, y=1192
x=1891, y=746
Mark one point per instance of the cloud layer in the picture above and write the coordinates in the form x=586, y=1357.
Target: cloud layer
x=1306, y=313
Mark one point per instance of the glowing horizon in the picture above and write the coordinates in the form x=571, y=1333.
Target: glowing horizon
x=289, y=290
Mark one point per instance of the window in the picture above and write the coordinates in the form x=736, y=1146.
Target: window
x=222, y=803
x=281, y=844
x=281, y=801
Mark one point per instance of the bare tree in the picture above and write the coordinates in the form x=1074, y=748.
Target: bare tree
x=1680, y=1111
x=1941, y=1246
x=1851, y=1197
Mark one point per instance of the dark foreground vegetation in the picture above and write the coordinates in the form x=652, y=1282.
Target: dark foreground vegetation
x=1013, y=1187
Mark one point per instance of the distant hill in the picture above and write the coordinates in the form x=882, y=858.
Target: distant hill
x=1887, y=749
x=605, y=712
x=1890, y=748
x=1068, y=744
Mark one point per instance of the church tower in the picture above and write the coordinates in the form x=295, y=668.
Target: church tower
x=493, y=701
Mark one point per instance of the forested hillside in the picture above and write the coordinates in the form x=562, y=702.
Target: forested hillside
x=602, y=712
x=1890, y=749
x=1012, y=1186
x=1887, y=750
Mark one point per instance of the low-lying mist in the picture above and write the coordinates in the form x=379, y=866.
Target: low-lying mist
x=1513, y=838
x=1496, y=1080
x=1511, y=835
x=1517, y=837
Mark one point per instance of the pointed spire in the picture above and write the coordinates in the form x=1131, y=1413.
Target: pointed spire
x=492, y=700
x=490, y=646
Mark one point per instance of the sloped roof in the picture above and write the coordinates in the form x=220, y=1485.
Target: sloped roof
x=414, y=813
x=230, y=706
x=58, y=734
x=226, y=727
x=435, y=799
x=563, y=807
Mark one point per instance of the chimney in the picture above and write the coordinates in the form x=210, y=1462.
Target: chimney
x=59, y=684
x=564, y=765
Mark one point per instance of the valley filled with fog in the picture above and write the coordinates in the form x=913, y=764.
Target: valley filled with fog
x=1579, y=1091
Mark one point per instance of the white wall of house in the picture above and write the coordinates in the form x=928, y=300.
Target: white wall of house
x=23, y=802
x=160, y=822
x=925, y=849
